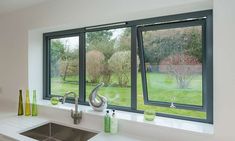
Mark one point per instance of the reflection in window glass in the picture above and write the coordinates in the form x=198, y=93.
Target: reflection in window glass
x=108, y=60
x=64, y=65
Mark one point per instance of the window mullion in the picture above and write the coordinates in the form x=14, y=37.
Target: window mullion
x=82, y=66
x=134, y=68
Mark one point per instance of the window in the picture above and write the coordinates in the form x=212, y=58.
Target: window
x=162, y=63
x=108, y=60
x=64, y=65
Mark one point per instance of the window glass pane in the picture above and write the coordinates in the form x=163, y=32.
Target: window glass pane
x=108, y=60
x=173, y=61
x=165, y=110
x=64, y=65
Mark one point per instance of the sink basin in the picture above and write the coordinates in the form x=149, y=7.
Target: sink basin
x=6, y=138
x=56, y=132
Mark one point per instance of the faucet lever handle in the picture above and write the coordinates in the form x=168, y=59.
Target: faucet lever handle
x=72, y=115
x=80, y=114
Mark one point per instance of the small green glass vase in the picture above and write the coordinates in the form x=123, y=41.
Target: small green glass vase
x=20, y=106
x=54, y=100
x=27, y=104
x=149, y=115
x=34, y=105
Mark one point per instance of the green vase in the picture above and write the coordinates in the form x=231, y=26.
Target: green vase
x=20, y=106
x=34, y=105
x=27, y=104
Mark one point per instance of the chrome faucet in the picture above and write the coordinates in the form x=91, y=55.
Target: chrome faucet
x=77, y=116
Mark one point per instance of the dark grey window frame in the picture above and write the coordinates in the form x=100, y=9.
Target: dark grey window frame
x=135, y=36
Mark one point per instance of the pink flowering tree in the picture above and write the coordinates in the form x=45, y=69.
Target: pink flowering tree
x=181, y=66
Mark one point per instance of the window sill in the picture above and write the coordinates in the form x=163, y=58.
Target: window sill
x=192, y=126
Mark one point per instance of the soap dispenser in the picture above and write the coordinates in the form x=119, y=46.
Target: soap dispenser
x=114, y=123
x=107, y=122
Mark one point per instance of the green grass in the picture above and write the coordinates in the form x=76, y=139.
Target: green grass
x=161, y=87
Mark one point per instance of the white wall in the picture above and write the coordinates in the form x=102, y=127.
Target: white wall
x=21, y=32
x=224, y=69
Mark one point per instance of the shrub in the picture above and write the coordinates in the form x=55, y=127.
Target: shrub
x=120, y=65
x=106, y=73
x=181, y=66
x=68, y=68
x=94, y=65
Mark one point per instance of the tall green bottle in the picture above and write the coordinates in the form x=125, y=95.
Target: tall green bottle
x=107, y=122
x=27, y=104
x=20, y=106
x=34, y=105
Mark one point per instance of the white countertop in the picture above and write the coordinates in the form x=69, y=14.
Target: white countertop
x=133, y=127
x=109, y=137
x=191, y=126
x=12, y=125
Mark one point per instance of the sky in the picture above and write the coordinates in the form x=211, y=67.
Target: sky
x=73, y=42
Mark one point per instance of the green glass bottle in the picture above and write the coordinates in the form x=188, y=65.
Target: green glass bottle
x=27, y=104
x=34, y=105
x=20, y=106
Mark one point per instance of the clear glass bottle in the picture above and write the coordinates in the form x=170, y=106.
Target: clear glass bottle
x=34, y=105
x=20, y=106
x=107, y=122
x=27, y=104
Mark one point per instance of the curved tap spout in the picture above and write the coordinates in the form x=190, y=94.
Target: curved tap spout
x=67, y=94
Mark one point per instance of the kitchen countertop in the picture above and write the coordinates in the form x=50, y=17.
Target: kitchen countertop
x=109, y=137
x=12, y=125
x=132, y=126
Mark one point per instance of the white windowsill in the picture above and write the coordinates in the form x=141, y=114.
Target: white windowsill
x=192, y=126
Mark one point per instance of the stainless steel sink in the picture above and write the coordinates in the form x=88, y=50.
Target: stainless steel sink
x=56, y=132
x=6, y=138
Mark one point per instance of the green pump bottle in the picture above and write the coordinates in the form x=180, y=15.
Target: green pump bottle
x=107, y=122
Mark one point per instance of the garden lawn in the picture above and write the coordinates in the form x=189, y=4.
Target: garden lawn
x=161, y=87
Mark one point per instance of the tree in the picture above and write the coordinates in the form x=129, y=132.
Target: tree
x=120, y=64
x=106, y=73
x=69, y=67
x=194, y=43
x=124, y=43
x=180, y=66
x=94, y=65
x=69, y=61
x=101, y=41
x=99, y=36
x=57, y=53
x=162, y=43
